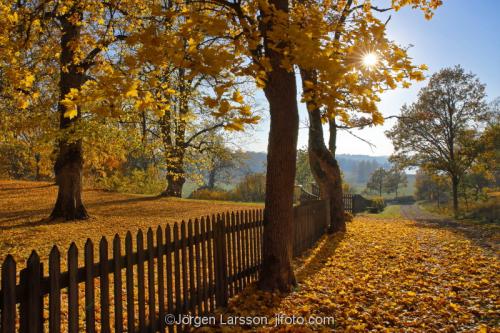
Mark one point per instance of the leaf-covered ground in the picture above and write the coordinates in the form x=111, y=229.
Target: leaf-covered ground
x=390, y=275
x=24, y=205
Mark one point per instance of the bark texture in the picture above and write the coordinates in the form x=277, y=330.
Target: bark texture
x=68, y=167
x=281, y=92
x=173, y=131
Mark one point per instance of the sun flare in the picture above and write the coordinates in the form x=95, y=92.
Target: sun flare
x=370, y=60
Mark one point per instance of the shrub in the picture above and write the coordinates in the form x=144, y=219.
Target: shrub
x=378, y=205
x=251, y=189
x=486, y=211
x=210, y=194
x=147, y=181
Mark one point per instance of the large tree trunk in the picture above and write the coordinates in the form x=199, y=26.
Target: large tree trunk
x=454, y=189
x=69, y=163
x=175, y=175
x=174, y=186
x=281, y=93
x=175, y=148
x=324, y=167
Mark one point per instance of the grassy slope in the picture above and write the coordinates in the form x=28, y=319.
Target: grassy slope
x=24, y=204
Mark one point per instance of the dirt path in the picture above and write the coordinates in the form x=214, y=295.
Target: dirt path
x=484, y=235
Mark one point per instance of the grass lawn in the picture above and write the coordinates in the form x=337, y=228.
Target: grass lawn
x=24, y=205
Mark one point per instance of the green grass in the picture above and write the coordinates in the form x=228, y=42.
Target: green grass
x=390, y=212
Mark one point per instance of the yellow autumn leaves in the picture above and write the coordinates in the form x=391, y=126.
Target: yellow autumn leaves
x=389, y=275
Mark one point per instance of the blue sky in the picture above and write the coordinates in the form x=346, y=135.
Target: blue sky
x=465, y=32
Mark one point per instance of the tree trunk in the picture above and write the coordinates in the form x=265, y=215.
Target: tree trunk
x=281, y=93
x=332, y=140
x=454, y=189
x=211, y=178
x=324, y=167
x=175, y=183
x=175, y=148
x=37, y=168
x=69, y=163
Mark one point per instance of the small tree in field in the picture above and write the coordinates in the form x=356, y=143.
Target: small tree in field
x=394, y=180
x=439, y=132
x=377, y=181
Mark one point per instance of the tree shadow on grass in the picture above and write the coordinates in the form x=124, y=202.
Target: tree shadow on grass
x=313, y=260
x=258, y=303
x=30, y=213
x=25, y=188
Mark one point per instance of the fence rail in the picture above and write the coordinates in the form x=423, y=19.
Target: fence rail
x=188, y=268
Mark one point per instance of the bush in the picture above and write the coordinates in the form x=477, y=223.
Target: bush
x=147, y=181
x=211, y=194
x=251, y=189
x=377, y=205
x=486, y=211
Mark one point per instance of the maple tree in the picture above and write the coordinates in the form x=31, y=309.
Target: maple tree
x=112, y=43
x=340, y=88
x=377, y=181
x=440, y=131
x=70, y=38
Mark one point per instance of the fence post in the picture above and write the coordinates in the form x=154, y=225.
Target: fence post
x=221, y=288
x=355, y=204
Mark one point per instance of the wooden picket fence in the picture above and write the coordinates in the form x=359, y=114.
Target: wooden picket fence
x=348, y=203
x=188, y=268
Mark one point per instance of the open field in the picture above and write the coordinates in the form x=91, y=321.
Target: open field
x=24, y=205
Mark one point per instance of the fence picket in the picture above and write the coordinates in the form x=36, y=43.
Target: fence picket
x=177, y=266
x=140, y=281
x=211, y=269
x=104, y=284
x=130, y=282
x=199, y=286
x=89, y=287
x=185, y=287
x=234, y=255
x=161, y=282
x=151, y=282
x=55, y=290
x=8, y=319
x=73, y=289
x=191, y=272
x=204, y=244
x=117, y=284
x=246, y=240
x=168, y=263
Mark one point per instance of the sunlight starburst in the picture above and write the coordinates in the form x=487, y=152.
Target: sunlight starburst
x=370, y=60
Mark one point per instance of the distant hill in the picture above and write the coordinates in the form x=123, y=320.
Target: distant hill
x=356, y=168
